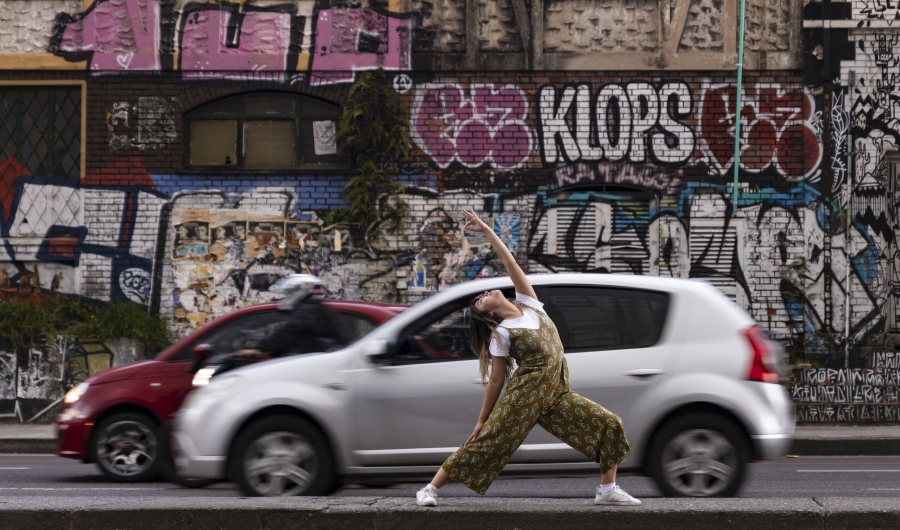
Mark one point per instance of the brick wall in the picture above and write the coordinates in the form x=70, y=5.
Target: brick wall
x=652, y=167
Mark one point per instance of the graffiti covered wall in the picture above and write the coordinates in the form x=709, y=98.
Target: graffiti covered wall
x=597, y=175
x=33, y=380
x=850, y=58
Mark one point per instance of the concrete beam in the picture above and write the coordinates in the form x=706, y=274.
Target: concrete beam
x=19, y=513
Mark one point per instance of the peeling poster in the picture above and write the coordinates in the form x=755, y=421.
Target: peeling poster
x=302, y=234
x=228, y=233
x=191, y=233
x=265, y=230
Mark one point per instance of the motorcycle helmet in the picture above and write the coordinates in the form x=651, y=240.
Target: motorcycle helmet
x=296, y=288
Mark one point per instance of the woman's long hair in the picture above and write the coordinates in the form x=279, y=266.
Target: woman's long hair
x=482, y=329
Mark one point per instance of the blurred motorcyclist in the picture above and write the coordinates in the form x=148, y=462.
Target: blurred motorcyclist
x=312, y=326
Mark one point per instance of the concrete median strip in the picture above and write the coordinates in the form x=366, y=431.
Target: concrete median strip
x=453, y=513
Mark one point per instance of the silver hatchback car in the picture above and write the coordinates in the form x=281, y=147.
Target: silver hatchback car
x=695, y=381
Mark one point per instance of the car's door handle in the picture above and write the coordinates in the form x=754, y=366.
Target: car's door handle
x=644, y=372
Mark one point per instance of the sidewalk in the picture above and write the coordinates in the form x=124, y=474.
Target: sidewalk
x=847, y=440
x=27, y=438
x=809, y=441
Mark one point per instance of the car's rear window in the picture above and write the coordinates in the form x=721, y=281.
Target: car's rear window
x=603, y=318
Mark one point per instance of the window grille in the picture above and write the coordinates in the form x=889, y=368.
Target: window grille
x=41, y=129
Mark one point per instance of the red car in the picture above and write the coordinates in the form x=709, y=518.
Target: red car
x=119, y=417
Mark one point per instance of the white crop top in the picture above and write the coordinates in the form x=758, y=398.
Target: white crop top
x=528, y=320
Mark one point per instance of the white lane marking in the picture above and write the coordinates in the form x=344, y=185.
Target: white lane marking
x=848, y=471
x=884, y=489
x=32, y=455
x=12, y=468
x=89, y=489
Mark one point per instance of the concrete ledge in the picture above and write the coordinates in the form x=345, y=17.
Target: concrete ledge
x=324, y=513
x=28, y=445
x=27, y=513
x=24, y=513
x=846, y=446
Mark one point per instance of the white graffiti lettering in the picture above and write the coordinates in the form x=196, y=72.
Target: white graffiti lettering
x=625, y=122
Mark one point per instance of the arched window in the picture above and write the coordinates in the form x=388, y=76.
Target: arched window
x=263, y=131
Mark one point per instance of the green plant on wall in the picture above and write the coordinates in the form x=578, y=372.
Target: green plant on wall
x=374, y=132
x=24, y=322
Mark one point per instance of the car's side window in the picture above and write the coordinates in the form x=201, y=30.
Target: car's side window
x=355, y=325
x=444, y=336
x=605, y=318
x=235, y=334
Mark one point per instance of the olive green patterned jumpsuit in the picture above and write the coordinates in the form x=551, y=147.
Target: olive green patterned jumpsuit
x=538, y=392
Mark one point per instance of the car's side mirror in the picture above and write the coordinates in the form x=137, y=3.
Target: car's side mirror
x=202, y=351
x=381, y=351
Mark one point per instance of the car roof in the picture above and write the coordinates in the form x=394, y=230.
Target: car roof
x=605, y=280
x=378, y=311
x=682, y=287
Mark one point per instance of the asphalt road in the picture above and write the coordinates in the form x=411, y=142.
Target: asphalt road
x=805, y=477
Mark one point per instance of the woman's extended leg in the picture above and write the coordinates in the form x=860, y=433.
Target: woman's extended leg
x=478, y=463
x=598, y=434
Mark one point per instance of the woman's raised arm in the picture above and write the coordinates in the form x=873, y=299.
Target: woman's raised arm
x=515, y=272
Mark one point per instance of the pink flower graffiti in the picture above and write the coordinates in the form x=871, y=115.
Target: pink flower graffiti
x=485, y=126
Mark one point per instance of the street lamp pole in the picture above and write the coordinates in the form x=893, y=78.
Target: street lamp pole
x=737, y=114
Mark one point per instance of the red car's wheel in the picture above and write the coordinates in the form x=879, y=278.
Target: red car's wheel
x=125, y=447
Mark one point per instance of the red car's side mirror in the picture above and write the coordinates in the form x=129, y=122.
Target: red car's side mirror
x=202, y=351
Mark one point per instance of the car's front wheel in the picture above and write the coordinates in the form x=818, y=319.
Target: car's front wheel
x=698, y=455
x=282, y=456
x=125, y=447
x=165, y=464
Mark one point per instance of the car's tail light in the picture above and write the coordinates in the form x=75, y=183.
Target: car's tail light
x=764, y=367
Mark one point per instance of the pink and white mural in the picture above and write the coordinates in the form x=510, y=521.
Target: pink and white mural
x=214, y=40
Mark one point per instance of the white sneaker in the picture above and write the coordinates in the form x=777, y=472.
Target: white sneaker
x=427, y=496
x=616, y=497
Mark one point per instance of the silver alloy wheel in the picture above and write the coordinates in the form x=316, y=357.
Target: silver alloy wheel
x=280, y=464
x=126, y=448
x=699, y=463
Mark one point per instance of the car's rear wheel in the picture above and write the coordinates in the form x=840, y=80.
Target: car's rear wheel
x=125, y=447
x=699, y=455
x=282, y=456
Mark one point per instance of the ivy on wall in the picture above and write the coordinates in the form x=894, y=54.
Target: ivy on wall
x=374, y=132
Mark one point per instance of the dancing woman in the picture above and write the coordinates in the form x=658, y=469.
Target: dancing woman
x=536, y=393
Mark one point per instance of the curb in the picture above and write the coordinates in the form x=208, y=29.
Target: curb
x=325, y=513
x=846, y=447
x=28, y=445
